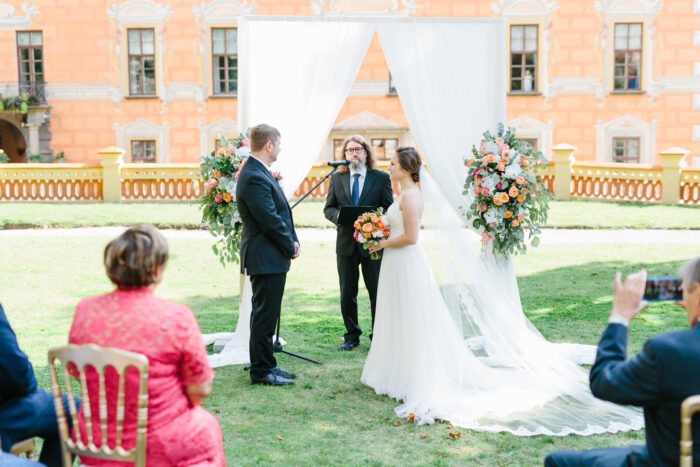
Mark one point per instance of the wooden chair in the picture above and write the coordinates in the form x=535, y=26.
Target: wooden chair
x=99, y=358
x=689, y=407
x=25, y=447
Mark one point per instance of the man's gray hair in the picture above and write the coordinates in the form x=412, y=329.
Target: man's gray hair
x=691, y=273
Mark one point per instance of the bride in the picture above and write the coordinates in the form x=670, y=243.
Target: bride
x=419, y=354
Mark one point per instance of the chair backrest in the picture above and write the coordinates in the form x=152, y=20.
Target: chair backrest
x=91, y=355
x=689, y=407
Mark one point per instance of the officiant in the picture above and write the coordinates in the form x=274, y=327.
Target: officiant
x=356, y=184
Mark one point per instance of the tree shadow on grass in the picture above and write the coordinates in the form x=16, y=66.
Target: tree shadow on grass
x=573, y=303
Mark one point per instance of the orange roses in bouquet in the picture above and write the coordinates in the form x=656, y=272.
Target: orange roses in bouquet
x=371, y=227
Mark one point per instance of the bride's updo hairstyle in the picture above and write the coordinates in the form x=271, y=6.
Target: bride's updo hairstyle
x=409, y=160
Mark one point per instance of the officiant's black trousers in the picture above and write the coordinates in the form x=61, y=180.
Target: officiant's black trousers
x=267, y=303
x=349, y=275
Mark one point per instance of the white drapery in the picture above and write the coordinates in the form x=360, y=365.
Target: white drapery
x=450, y=77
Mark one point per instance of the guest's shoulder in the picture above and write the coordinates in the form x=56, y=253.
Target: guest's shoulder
x=673, y=338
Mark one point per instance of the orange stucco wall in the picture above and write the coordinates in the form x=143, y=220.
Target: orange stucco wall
x=81, y=41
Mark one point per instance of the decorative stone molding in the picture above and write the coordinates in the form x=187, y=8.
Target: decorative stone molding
x=696, y=102
x=365, y=7
x=675, y=84
x=696, y=132
x=696, y=7
x=184, y=91
x=539, y=11
x=576, y=86
x=369, y=88
x=696, y=38
x=629, y=11
x=8, y=19
x=527, y=128
x=139, y=12
x=79, y=92
x=147, y=130
x=626, y=127
x=223, y=11
x=208, y=133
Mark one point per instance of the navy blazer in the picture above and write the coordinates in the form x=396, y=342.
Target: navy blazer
x=267, y=241
x=658, y=378
x=16, y=372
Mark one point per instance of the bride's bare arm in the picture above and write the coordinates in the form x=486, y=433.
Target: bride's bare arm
x=410, y=207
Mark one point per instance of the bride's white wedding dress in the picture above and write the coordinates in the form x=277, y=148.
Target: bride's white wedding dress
x=420, y=356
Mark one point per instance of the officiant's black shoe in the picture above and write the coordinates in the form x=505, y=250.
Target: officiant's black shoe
x=349, y=345
x=284, y=374
x=271, y=379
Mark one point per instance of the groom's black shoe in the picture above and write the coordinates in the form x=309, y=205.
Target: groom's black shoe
x=349, y=345
x=271, y=379
x=284, y=374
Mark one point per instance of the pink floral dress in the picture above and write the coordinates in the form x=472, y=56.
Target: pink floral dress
x=168, y=334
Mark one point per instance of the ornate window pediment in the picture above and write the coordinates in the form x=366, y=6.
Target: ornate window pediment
x=626, y=126
x=10, y=20
x=139, y=12
x=365, y=7
x=143, y=129
x=624, y=8
x=524, y=8
x=529, y=128
x=208, y=134
x=223, y=11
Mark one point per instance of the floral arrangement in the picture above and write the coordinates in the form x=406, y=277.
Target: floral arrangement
x=220, y=214
x=371, y=227
x=509, y=200
x=20, y=103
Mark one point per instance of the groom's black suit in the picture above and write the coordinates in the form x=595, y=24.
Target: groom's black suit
x=267, y=246
x=376, y=192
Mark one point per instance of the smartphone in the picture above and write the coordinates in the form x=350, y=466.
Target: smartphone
x=659, y=288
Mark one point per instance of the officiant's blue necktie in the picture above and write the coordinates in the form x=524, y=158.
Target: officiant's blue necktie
x=355, y=193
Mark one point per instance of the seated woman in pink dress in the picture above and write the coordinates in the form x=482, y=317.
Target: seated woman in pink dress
x=180, y=432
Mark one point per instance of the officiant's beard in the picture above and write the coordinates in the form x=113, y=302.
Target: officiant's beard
x=356, y=166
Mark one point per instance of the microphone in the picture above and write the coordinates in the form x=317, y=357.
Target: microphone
x=339, y=163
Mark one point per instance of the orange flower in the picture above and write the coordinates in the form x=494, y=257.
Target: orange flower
x=515, y=223
x=521, y=198
x=227, y=197
x=367, y=228
x=374, y=219
x=470, y=162
x=497, y=200
x=509, y=214
x=386, y=233
x=357, y=226
x=504, y=197
x=524, y=162
x=519, y=180
x=367, y=235
x=520, y=217
x=217, y=174
x=490, y=158
x=380, y=225
x=513, y=192
x=221, y=151
x=502, y=166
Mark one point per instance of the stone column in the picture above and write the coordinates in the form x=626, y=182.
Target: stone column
x=671, y=174
x=563, y=158
x=33, y=143
x=111, y=174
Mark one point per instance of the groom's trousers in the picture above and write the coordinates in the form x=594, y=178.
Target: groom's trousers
x=267, y=303
x=349, y=276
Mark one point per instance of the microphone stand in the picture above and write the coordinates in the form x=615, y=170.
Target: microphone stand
x=277, y=345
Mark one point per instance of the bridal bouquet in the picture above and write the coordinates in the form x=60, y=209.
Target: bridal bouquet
x=371, y=227
x=508, y=199
x=220, y=171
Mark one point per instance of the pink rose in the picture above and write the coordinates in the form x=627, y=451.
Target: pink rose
x=230, y=151
x=485, y=237
x=492, y=224
x=245, y=142
x=498, y=186
x=499, y=141
x=477, y=191
x=485, y=191
x=219, y=198
x=482, y=207
x=507, y=153
x=221, y=151
x=211, y=183
x=503, y=147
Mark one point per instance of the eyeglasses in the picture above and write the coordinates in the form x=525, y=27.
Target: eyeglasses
x=357, y=150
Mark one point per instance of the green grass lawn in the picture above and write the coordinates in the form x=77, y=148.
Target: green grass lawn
x=328, y=417
x=563, y=214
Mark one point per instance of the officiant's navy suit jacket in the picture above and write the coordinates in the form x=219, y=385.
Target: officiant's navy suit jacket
x=658, y=378
x=267, y=243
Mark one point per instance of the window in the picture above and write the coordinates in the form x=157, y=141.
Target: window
x=529, y=144
x=628, y=56
x=143, y=151
x=142, y=62
x=625, y=150
x=30, y=55
x=392, y=88
x=225, y=60
x=384, y=149
x=523, y=58
x=338, y=150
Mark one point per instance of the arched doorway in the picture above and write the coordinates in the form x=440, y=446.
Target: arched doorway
x=12, y=141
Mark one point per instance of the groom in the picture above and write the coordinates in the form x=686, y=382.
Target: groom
x=268, y=243
x=362, y=185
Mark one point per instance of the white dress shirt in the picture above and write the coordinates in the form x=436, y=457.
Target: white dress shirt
x=266, y=166
x=360, y=181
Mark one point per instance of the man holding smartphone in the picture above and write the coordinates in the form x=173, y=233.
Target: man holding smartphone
x=658, y=378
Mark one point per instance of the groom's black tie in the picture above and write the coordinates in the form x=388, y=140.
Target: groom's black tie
x=355, y=194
